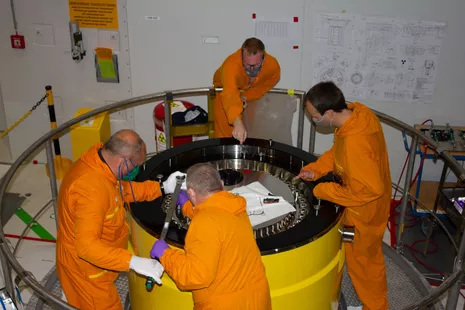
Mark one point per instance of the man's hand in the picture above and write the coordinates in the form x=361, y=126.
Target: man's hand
x=239, y=131
x=305, y=175
x=182, y=198
x=147, y=267
x=158, y=249
x=170, y=184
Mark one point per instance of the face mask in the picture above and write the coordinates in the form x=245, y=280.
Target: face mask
x=321, y=119
x=131, y=175
x=252, y=72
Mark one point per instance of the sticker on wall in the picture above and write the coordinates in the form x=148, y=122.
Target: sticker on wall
x=101, y=14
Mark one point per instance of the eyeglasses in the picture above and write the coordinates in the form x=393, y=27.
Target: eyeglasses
x=257, y=66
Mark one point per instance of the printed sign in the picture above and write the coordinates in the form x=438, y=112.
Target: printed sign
x=102, y=14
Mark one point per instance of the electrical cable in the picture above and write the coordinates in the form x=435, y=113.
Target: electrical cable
x=391, y=222
x=13, y=13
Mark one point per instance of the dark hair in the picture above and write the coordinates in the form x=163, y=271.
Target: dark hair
x=326, y=96
x=253, y=46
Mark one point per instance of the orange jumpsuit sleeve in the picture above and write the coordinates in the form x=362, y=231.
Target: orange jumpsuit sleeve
x=231, y=98
x=91, y=203
x=322, y=166
x=269, y=80
x=364, y=183
x=188, y=209
x=143, y=191
x=196, y=267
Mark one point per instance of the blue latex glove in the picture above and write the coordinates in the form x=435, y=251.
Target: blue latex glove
x=182, y=198
x=158, y=249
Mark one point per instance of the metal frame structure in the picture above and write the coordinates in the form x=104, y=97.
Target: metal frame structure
x=9, y=262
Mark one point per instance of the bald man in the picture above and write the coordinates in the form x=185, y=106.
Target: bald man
x=92, y=236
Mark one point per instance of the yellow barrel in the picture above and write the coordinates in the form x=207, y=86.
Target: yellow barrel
x=306, y=277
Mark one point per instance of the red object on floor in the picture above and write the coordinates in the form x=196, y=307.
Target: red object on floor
x=392, y=221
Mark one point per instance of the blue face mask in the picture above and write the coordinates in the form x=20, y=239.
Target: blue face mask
x=252, y=72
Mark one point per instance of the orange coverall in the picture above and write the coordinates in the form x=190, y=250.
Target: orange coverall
x=222, y=264
x=92, y=236
x=359, y=157
x=232, y=77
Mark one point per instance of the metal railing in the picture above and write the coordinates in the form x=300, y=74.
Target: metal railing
x=8, y=260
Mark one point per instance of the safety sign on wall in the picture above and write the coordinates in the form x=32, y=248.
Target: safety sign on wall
x=102, y=14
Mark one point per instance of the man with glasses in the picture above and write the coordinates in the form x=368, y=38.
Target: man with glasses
x=92, y=238
x=360, y=164
x=246, y=75
x=221, y=263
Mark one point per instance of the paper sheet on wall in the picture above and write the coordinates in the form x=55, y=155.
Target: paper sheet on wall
x=277, y=31
x=377, y=58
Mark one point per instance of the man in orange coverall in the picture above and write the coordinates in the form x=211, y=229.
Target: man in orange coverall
x=92, y=237
x=251, y=70
x=221, y=263
x=359, y=159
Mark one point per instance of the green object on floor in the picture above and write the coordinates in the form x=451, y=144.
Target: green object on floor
x=40, y=231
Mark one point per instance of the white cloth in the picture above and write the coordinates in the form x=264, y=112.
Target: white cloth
x=170, y=184
x=261, y=214
x=147, y=267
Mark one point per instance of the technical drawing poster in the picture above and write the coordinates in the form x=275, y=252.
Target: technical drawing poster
x=377, y=58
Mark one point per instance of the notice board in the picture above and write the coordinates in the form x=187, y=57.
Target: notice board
x=101, y=14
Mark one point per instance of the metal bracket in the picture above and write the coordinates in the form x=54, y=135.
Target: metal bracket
x=23, y=275
x=347, y=234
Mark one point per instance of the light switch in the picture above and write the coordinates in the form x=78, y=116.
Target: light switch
x=43, y=34
x=210, y=40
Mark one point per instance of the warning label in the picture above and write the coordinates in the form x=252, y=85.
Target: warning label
x=160, y=139
x=102, y=14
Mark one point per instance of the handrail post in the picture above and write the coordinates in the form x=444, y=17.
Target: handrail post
x=311, y=144
x=405, y=199
x=53, y=180
x=167, y=121
x=300, y=126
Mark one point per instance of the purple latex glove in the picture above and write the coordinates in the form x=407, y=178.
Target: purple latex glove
x=182, y=198
x=158, y=249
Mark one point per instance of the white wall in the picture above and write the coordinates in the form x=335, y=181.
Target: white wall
x=448, y=105
x=168, y=54
x=25, y=73
x=2, y=113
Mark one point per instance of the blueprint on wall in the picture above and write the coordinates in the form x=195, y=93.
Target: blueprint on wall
x=377, y=58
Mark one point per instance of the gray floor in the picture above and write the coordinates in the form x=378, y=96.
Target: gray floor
x=403, y=284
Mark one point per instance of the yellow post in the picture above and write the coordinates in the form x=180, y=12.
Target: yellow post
x=62, y=165
x=211, y=114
